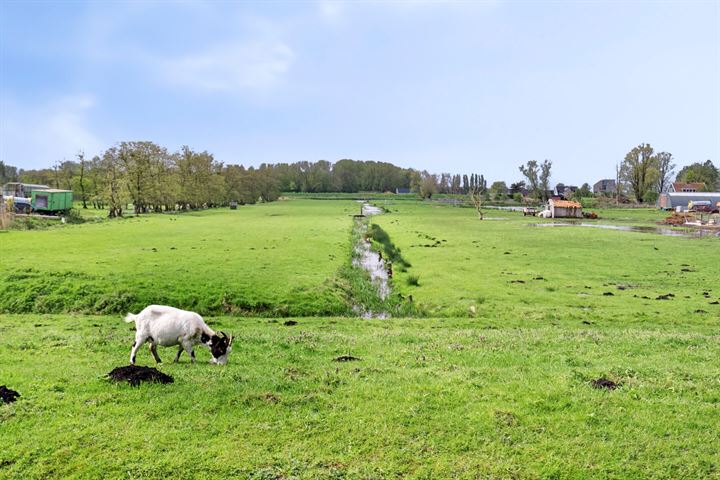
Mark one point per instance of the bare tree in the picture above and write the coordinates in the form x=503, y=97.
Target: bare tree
x=476, y=196
x=665, y=169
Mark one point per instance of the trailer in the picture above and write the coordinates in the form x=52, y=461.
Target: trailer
x=18, y=195
x=52, y=200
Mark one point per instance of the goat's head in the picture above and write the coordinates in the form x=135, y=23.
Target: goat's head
x=220, y=348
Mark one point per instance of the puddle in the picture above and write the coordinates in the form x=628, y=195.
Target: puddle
x=668, y=232
x=368, y=209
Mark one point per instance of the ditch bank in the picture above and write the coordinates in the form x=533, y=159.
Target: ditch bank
x=371, y=262
x=367, y=277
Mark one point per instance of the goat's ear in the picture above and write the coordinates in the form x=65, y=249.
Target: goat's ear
x=231, y=339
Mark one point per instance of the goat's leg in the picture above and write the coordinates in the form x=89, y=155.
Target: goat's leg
x=139, y=340
x=188, y=346
x=177, y=357
x=153, y=350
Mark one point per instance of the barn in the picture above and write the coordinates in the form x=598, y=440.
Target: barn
x=564, y=209
x=673, y=200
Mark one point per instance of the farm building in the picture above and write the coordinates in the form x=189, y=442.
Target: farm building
x=18, y=195
x=687, y=187
x=52, y=200
x=673, y=200
x=564, y=209
x=605, y=186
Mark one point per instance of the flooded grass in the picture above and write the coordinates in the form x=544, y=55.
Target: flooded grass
x=668, y=232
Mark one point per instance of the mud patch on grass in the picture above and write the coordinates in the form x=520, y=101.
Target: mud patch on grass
x=134, y=375
x=346, y=358
x=603, y=383
x=7, y=395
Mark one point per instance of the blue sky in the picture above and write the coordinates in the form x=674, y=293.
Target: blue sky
x=448, y=87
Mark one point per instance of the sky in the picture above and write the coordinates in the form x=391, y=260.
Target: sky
x=458, y=87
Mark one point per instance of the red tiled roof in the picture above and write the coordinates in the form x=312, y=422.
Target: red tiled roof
x=679, y=186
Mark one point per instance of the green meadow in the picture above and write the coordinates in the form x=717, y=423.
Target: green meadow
x=488, y=375
x=512, y=266
x=270, y=259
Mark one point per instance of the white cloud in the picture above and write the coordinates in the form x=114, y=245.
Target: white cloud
x=231, y=68
x=331, y=11
x=38, y=136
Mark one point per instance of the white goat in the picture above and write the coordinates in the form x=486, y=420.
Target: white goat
x=168, y=326
x=545, y=214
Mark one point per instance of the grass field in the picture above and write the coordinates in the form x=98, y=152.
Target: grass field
x=491, y=380
x=428, y=399
x=502, y=266
x=277, y=258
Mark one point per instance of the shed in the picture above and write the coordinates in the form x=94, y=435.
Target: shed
x=564, y=209
x=672, y=200
x=52, y=200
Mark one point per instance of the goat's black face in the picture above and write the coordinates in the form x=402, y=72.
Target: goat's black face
x=220, y=347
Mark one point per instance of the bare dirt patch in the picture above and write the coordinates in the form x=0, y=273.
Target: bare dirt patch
x=603, y=383
x=134, y=375
x=7, y=395
x=346, y=358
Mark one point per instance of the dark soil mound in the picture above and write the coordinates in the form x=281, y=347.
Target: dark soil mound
x=7, y=395
x=134, y=374
x=346, y=358
x=290, y=323
x=604, y=383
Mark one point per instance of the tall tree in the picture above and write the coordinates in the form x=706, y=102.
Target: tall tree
x=544, y=179
x=704, y=172
x=498, y=189
x=428, y=185
x=665, y=169
x=81, y=177
x=517, y=187
x=538, y=177
x=618, y=183
x=114, y=182
x=639, y=170
x=8, y=173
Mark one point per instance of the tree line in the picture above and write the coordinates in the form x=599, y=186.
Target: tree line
x=153, y=179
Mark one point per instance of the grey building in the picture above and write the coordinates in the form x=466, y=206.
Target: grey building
x=672, y=200
x=605, y=186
